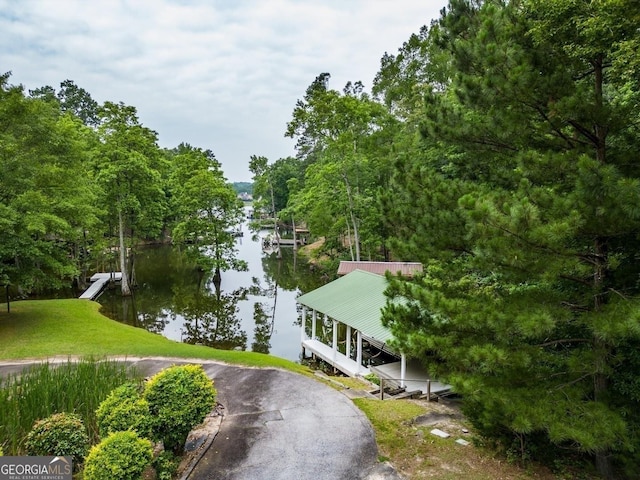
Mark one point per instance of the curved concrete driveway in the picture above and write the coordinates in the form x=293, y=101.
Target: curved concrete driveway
x=280, y=425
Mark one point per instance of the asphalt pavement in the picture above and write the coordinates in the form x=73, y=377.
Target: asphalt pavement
x=277, y=425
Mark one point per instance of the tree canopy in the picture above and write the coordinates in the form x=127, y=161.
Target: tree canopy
x=81, y=184
x=498, y=146
x=499, y=149
x=524, y=204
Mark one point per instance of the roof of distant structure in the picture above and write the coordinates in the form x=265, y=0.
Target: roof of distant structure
x=406, y=269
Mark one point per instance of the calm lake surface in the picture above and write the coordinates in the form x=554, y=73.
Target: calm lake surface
x=253, y=310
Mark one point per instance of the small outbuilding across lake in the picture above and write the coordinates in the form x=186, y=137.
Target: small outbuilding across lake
x=346, y=331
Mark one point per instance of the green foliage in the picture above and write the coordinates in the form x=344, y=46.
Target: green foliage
x=243, y=187
x=521, y=203
x=120, y=456
x=373, y=378
x=179, y=398
x=47, y=203
x=124, y=409
x=46, y=389
x=61, y=434
x=166, y=464
x=208, y=209
x=341, y=141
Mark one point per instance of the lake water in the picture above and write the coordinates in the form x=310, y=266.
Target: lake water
x=253, y=310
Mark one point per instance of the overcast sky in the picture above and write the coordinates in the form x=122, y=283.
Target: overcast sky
x=220, y=75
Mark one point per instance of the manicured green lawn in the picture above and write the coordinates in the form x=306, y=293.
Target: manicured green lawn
x=47, y=328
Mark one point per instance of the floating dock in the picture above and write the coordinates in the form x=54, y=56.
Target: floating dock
x=98, y=282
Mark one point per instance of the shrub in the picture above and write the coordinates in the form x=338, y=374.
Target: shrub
x=45, y=389
x=166, y=465
x=124, y=409
x=61, y=434
x=120, y=456
x=179, y=398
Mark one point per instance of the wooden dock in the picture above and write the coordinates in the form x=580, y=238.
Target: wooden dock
x=416, y=378
x=335, y=358
x=98, y=282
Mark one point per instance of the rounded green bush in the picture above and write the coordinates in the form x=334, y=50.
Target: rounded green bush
x=61, y=434
x=166, y=464
x=180, y=397
x=124, y=409
x=120, y=456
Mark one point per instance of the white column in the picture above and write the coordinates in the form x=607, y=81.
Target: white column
x=348, y=346
x=313, y=324
x=335, y=339
x=303, y=324
x=403, y=369
x=359, y=349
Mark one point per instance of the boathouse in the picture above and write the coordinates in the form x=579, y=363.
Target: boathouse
x=406, y=269
x=354, y=302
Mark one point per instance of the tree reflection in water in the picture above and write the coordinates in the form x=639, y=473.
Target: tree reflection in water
x=210, y=316
x=176, y=299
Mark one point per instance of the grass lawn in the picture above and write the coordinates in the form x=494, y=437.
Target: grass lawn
x=48, y=328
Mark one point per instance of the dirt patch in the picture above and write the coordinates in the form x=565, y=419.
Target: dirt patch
x=424, y=455
x=433, y=418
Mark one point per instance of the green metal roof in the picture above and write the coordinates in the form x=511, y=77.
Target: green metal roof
x=355, y=300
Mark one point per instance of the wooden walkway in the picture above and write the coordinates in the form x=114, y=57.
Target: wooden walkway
x=335, y=358
x=99, y=281
x=416, y=377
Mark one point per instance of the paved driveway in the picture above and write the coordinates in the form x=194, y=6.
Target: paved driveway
x=280, y=425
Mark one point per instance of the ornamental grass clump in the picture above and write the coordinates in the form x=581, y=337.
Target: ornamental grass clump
x=45, y=389
x=180, y=397
x=120, y=456
x=61, y=434
x=124, y=409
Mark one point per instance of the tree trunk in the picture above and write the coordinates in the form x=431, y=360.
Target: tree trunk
x=600, y=381
x=354, y=221
x=349, y=239
x=126, y=289
x=83, y=261
x=601, y=131
x=603, y=458
x=275, y=221
x=217, y=279
x=604, y=466
x=295, y=238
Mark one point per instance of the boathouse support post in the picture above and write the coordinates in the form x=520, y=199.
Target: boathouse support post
x=335, y=340
x=348, y=345
x=303, y=326
x=313, y=324
x=359, y=349
x=403, y=369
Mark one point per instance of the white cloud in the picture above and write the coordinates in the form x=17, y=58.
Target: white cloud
x=222, y=75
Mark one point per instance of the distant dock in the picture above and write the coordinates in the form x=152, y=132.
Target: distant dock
x=98, y=282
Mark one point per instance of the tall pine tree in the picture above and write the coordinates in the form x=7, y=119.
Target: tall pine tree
x=525, y=211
